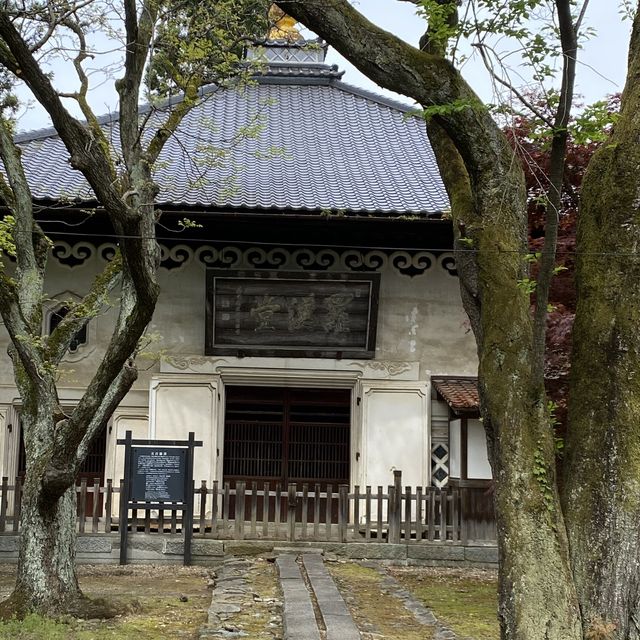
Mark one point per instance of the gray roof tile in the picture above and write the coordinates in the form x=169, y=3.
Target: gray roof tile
x=338, y=148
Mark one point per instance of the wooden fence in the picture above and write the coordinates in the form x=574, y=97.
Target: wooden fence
x=393, y=514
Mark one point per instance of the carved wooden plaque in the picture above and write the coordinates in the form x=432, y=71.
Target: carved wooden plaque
x=273, y=313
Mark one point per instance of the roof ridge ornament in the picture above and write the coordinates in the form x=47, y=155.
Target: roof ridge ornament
x=283, y=26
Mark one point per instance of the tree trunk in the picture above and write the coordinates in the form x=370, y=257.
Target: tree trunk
x=46, y=579
x=602, y=497
x=537, y=596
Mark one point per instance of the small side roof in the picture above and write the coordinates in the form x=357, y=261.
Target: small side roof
x=461, y=394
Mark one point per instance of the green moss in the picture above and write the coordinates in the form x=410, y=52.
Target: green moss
x=371, y=605
x=34, y=627
x=468, y=605
x=150, y=607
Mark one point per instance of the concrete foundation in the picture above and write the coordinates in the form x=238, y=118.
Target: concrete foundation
x=156, y=549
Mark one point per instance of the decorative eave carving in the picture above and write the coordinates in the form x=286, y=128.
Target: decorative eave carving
x=406, y=262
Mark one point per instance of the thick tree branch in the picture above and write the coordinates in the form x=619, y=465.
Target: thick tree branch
x=427, y=78
x=20, y=333
x=73, y=438
x=29, y=274
x=569, y=43
x=93, y=160
x=139, y=34
x=86, y=155
x=82, y=312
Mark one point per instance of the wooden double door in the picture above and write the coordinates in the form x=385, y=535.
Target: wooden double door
x=287, y=435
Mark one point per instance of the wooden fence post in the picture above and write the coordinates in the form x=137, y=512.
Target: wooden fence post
x=343, y=511
x=395, y=508
x=96, y=505
x=83, y=504
x=202, y=525
x=464, y=513
x=239, y=515
x=3, y=505
x=17, y=503
x=108, y=493
x=291, y=513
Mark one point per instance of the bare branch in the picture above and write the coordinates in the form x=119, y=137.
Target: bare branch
x=138, y=40
x=86, y=156
x=81, y=95
x=580, y=18
x=505, y=83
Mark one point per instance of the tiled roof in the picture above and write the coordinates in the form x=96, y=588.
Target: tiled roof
x=461, y=394
x=324, y=145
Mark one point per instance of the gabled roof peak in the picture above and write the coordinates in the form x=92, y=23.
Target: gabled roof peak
x=292, y=58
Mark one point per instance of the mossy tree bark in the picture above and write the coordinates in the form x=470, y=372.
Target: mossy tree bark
x=602, y=500
x=56, y=443
x=168, y=49
x=486, y=187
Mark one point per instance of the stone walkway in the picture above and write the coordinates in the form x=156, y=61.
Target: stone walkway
x=422, y=615
x=232, y=593
x=313, y=606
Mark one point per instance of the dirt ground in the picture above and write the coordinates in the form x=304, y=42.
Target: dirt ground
x=167, y=603
x=161, y=603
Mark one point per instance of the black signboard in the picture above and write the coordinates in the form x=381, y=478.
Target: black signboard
x=159, y=474
x=327, y=314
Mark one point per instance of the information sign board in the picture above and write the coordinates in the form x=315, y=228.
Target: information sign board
x=159, y=474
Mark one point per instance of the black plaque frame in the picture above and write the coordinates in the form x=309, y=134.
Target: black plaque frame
x=365, y=351
x=127, y=501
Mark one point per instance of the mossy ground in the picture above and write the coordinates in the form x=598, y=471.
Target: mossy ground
x=465, y=600
x=384, y=615
x=151, y=598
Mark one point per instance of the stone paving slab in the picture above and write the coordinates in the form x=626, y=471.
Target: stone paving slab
x=337, y=619
x=298, y=618
x=288, y=568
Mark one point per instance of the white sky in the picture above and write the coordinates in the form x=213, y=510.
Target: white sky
x=602, y=62
x=601, y=69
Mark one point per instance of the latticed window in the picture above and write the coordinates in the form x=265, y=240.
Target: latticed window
x=287, y=435
x=56, y=318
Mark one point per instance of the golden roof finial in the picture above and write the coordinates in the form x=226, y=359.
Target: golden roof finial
x=283, y=26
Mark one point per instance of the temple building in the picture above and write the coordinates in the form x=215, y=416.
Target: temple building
x=309, y=328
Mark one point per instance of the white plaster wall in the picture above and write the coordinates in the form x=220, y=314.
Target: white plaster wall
x=180, y=404
x=478, y=460
x=421, y=319
x=455, y=456
x=114, y=463
x=120, y=424
x=422, y=330
x=395, y=433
